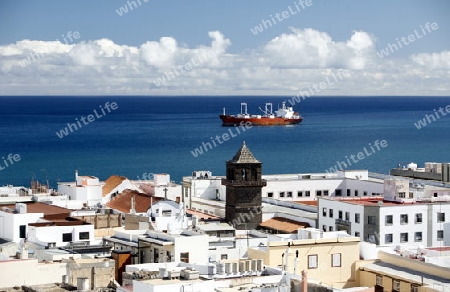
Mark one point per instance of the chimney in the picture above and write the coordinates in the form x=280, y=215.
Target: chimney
x=132, y=210
x=304, y=281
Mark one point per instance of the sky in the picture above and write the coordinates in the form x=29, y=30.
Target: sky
x=152, y=47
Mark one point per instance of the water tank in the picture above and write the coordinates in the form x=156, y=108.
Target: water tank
x=412, y=166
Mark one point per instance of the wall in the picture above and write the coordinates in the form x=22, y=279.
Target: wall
x=323, y=248
x=30, y=272
x=337, y=206
x=415, y=265
x=192, y=245
x=397, y=227
x=46, y=234
x=99, y=271
x=10, y=224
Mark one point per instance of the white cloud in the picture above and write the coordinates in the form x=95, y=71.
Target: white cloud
x=284, y=65
x=433, y=60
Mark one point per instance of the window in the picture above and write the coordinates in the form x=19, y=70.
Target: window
x=404, y=237
x=414, y=288
x=388, y=238
x=324, y=228
x=417, y=236
x=356, y=193
x=440, y=235
x=307, y=194
x=324, y=212
x=22, y=231
x=83, y=235
x=389, y=219
x=289, y=194
x=348, y=192
x=435, y=195
x=357, y=218
x=338, y=193
x=356, y=234
x=184, y=257
x=404, y=219
x=330, y=213
x=347, y=216
x=330, y=228
x=365, y=193
x=67, y=237
x=325, y=193
x=440, y=217
x=312, y=261
x=224, y=256
x=270, y=195
x=402, y=194
x=418, y=218
x=336, y=260
x=340, y=214
x=299, y=194
x=318, y=193
x=395, y=285
x=281, y=194
x=379, y=280
x=167, y=213
x=371, y=220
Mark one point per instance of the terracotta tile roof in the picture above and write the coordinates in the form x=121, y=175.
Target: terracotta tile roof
x=309, y=203
x=122, y=202
x=283, y=225
x=201, y=215
x=111, y=183
x=38, y=207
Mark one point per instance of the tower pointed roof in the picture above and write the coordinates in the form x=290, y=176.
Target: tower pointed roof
x=244, y=156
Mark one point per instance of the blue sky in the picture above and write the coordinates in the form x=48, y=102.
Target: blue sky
x=189, y=24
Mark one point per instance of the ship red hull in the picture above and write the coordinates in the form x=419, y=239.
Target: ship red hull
x=263, y=121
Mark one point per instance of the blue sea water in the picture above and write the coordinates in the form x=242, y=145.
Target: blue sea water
x=157, y=135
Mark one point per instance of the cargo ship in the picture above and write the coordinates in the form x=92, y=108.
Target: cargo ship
x=283, y=116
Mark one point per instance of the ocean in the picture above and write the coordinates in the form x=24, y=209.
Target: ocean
x=158, y=135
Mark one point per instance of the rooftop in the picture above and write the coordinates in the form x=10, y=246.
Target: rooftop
x=412, y=276
x=38, y=207
x=122, y=202
x=111, y=183
x=202, y=216
x=244, y=156
x=283, y=225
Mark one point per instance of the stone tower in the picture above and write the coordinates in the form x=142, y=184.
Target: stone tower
x=244, y=185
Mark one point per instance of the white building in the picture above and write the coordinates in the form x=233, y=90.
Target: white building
x=288, y=187
x=158, y=247
x=60, y=233
x=42, y=224
x=86, y=189
x=405, y=215
x=168, y=216
x=14, y=220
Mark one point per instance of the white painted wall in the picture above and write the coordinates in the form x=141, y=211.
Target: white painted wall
x=447, y=234
x=337, y=206
x=10, y=224
x=434, y=225
x=30, y=272
x=197, y=247
x=397, y=227
x=46, y=234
